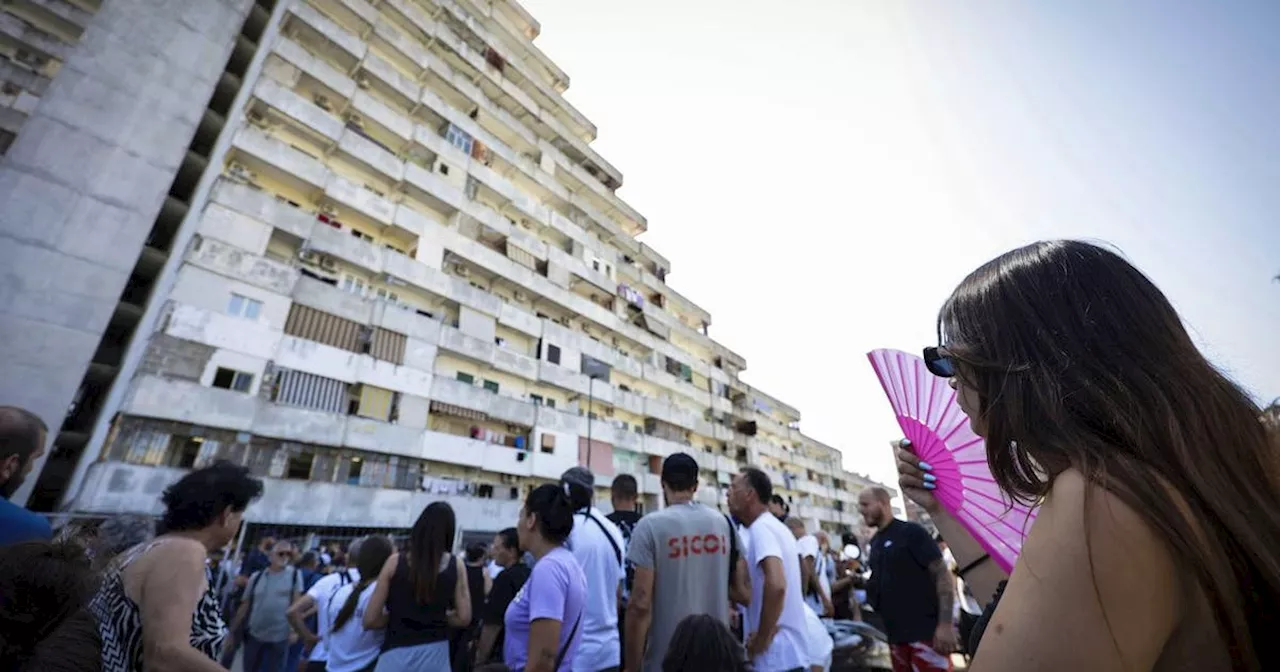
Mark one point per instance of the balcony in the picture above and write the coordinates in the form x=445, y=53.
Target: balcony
x=372, y=109
x=515, y=363
x=116, y=487
x=325, y=297
x=469, y=347
x=408, y=322
x=341, y=244
x=255, y=338
x=434, y=190
x=246, y=267
x=298, y=111
x=364, y=201
x=372, y=155
x=185, y=401
x=349, y=47
x=563, y=423
x=295, y=166
x=300, y=354
x=383, y=437
x=519, y=319
x=261, y=206
x=330, y=77
x=563, y=378
x=293, y=423
x=466, y=395
x=392, y=78
x=390, y=376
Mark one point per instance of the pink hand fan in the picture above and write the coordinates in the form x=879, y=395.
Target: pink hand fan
x=940, y=435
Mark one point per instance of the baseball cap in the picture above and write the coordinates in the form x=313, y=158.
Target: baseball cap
x=579, y=476
x=680, y=468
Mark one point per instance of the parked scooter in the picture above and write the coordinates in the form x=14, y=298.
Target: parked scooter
x=859, y=646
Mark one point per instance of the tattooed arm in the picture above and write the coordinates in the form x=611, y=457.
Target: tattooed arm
x=944, y=640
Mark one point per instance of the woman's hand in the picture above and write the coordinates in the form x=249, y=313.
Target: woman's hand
x=914, y=477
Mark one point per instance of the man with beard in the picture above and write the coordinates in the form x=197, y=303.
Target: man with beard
x=22, y=436
x=910, y=588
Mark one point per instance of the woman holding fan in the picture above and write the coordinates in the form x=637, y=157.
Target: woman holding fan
x=1148, y=464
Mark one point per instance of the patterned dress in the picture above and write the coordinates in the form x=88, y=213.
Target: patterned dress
x=120, y=619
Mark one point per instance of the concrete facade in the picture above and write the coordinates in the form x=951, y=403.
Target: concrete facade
x=406, y=275
x=85, y=177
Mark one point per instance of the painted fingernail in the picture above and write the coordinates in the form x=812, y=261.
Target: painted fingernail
x=906, y=443
x=930, y=486
x=929, y=478
x=926, y=466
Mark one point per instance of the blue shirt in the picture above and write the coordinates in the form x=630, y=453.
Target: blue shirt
x=18, y=525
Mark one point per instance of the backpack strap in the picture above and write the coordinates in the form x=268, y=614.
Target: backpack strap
x=568, y=642
x=617, y=551
x=733, y=546
x=248, y=595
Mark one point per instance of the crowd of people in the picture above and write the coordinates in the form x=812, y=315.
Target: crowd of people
x=1154, y=547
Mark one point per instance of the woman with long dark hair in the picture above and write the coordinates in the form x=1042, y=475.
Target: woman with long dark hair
x=702, y=643
x=351, y=648
x=1156, y=543
x=543, y=622
x=420, y=595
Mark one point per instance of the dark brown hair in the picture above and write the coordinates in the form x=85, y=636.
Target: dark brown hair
x=373, y=554
x=1081, y=362
x=429, y=540
x=42, y=585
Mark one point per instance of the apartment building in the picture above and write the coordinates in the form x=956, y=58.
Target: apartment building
x=389, y=269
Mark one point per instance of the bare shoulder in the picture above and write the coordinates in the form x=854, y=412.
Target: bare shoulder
x=1085, y=515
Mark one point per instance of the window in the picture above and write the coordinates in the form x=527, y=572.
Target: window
x=551, y=403
x=353, y=470
x=491, y=385
x=444, y=169
x=536, y=399
x=459, y=138
x=553, y=354
x=466, y=378
x=243, y=306
x=230, y=379
x=353, y=285
x=362, y=236
x=299, y=466
x=384, y=295
x=186, y=454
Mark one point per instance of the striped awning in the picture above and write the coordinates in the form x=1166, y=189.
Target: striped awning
x=457, y=411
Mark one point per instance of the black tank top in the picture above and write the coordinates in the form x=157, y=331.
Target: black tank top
x=413, y=623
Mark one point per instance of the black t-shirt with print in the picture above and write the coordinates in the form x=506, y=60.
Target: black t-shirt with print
x=626, y=522
x=900, y=589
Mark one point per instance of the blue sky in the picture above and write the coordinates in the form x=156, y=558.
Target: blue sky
x=822, y=173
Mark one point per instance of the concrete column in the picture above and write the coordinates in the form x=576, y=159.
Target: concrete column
x=84, y=180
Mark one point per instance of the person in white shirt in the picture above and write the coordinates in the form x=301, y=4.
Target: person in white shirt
x=777, y=635
x=352, y=648
x=598, y=546
x=811, y=568
x=319, y=599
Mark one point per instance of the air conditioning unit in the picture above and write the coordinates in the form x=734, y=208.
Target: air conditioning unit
x=462, y=271
x=328, y=264
x=520, y=296
x=257, y=118
x=355, y=120
x=472, y=188
x=308, y=256
x=323, y=103
x=238, y=171
x=363, y=82
x=329, y=210
x=507, y=479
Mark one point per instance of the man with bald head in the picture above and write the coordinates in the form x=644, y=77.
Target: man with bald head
x=22, y=436
x=910, y=587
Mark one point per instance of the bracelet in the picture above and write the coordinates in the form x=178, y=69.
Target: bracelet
x=969, y=567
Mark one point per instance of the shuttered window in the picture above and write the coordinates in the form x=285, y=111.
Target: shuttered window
x=375, y=403
x=321, y=327
x=296, y=388
x=387, y=346
x=521, y=257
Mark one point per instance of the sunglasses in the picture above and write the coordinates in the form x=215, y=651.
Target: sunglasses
x=939, y=362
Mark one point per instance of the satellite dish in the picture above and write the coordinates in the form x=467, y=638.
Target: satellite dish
x=852, y=552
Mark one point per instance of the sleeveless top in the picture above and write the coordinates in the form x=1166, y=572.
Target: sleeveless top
x=120, y=620
x=412, y=623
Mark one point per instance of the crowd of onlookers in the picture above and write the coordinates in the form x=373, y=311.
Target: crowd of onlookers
x=566, y=588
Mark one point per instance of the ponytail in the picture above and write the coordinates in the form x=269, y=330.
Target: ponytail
x=349, y=607
x=553, y=506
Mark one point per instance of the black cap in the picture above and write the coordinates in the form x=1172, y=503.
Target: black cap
x=680, y=470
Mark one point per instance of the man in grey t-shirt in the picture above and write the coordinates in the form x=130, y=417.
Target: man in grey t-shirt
x=267, y=598
x=683, y=555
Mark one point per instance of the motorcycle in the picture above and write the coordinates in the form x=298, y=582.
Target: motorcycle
x=859, y=646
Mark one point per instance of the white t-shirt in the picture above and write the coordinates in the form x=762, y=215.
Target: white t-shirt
x=772, y=539
x=820, y=643
x=807, y=546
x=598, y=646
x=352, y=648
x=322, y=592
